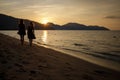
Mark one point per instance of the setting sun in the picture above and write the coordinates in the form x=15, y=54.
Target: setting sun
x=44, y=21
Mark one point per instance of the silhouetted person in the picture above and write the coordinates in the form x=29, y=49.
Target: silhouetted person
x=21, y=31
x=30, y=33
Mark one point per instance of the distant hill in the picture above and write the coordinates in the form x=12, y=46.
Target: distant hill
x=75, y=26
x=11, y=23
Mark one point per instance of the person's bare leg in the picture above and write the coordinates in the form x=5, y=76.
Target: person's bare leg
x=22, y=39
x=30, y=41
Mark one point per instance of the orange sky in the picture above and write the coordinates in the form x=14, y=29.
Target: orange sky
x=89, y=12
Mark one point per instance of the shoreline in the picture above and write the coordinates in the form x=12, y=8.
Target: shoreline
x=39, y=63
x=98, y=61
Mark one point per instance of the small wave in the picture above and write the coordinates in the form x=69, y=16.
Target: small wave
x=108, y=56
x=71, y=50
x=86, y=48
x=76, y=44
x=117, y=52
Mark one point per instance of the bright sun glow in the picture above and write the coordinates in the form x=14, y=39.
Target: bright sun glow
x=44, y=21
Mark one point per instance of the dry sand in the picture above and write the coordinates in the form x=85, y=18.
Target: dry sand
x=38, y=63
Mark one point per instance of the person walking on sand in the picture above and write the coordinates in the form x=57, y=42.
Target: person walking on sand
x=21, y=31
x=30, y=33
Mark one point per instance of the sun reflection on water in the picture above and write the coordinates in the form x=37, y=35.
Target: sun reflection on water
x=44, y=36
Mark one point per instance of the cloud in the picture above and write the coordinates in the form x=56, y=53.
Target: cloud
x=112, y=17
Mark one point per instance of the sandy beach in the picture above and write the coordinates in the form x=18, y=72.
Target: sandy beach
x=19, y=62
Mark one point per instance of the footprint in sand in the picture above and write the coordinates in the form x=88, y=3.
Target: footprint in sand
x=20, y=70
x=68, y=67
x=25, y=62
x=43, y=65
x=18, y=65
x=67, y=63
x=87, y=77
x=34, y=72
x=100, y=72
x=30, y=79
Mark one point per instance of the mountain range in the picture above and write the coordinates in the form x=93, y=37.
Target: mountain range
x=11, y=23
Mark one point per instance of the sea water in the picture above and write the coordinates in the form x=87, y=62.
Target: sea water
x=99, y=47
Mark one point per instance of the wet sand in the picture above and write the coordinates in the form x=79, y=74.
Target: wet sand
x=38, y=63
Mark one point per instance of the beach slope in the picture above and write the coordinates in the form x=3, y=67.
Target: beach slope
x=38, y=63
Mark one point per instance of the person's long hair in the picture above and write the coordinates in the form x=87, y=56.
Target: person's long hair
x=21, y=21
x=31, y=24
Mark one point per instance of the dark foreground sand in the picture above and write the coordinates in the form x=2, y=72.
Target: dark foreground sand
x=38, y=63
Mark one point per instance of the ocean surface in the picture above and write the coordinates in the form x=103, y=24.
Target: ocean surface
x=99, y=47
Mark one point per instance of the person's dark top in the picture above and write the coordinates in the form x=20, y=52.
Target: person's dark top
x=30, y=32
x=21, y=29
